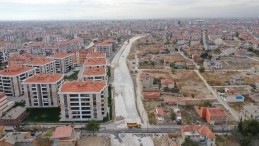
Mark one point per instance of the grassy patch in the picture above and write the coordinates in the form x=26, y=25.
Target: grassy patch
x=72, y=76
x=43, y=115
x=110, y=101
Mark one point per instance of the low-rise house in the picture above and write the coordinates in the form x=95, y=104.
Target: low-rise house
x=250, y=111
x=212, y=65
x=170, y=101
x=167, y=84
x=14, y=116
x=18, y=139
x=147, y=80
x=151, y=95
x=257, y=84
x=65, y=136
x=201, y=134
x=213, y=115
x=236, y=80
x=234, y=98
x=160, y=114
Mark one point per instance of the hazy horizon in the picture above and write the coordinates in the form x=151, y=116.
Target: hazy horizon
x=123, y=9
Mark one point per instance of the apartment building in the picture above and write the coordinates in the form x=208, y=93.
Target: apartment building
x=19, y=60
x=41, y=90
x=83, y=100
x=11, y=79
x=95, y=63
x=92, y=55
x=63, y=62
x=42, y=65
x=3, y=103
x=105, y=47
x=94, y=74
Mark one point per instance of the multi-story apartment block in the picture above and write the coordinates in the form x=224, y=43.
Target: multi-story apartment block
x=83, y=100
x=11, y=79
x=3, y=103
x=19, y=60
x=63, y=62
x=98, y=55
x=105, y=47
x=95, y=62
x=43, y=65
x=41, y=90
x=94, y=74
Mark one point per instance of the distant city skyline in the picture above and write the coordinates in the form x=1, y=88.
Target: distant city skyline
x=124, y=9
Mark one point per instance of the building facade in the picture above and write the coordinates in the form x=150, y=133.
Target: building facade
x=63, y=62
x=94, y=74
x=3, y=103
x=41, y=90
x=43, y=65
x=83, y=100
x=11, y=80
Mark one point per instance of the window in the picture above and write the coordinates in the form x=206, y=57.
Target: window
x=85, y=95
x=74, y=108
x=74, y=99
x=85, y=99
x=73, y=95
x=85, y=108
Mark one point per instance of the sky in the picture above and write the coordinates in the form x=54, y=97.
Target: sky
x=125, y=9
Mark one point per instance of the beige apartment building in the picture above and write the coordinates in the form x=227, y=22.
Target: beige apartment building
x=41, y=90
x=63, y=62
x=43, y=65
x=83, y=100
x=11, y=80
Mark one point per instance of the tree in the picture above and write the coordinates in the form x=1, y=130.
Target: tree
x=93, y=126
x=205, y=104
x=173, y=116
x=189, y=142
x=193, y=95
x=201, y=69
x=240, y=125
x=173, y=71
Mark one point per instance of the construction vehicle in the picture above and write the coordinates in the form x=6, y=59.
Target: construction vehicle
x=134, y=125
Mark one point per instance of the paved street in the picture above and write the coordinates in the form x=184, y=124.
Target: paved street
x=125, y=103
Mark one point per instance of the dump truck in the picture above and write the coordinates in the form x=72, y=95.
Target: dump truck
x=134, y=125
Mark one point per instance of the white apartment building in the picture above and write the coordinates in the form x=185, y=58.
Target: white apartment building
x=11, y=79
x=43, y=65
x=95, y=63
x=94, y=74
x=83, y=100
x=63, y=62
x=105, y=47
x=41, y=90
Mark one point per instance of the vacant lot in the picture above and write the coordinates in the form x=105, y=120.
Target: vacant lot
x=43, y=115
x=238, y=63
x=187, y=81
x=226, y=140
x=218, y=78
x=94, y=140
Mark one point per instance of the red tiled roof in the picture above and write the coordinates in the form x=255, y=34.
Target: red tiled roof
x=151, y=95
x=61, y=55
x=160, y=111
x=2, y=94
x=82, y=86
x=62, y=132
x=96, y=55
x=167, y=81
x=39, y=61
x=217, y=112
x=95, y=61
x=44, y=78
x=13, y=71
x=94, y=72
x=170, y=100
x=202, y=130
